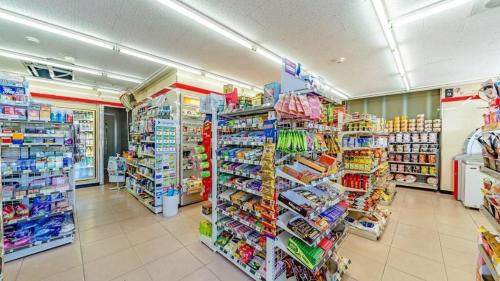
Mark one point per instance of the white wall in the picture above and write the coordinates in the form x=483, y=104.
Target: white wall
x=459, y=120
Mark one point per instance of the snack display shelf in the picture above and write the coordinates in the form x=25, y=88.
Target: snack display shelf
x=412, y=173
x=241, y=237
x=146, y=166
x=411, y=152
x=415, y=142
x=251, y=191
x=44, y=191
x=238, y=219
x=254, y=274
x=248, y=111
x=247, y=210
x=349, y=171
x=131, y=175
x=361, y=132
x=246, y=175
x=414, y=163
x=236, y=160
x=145, y=176
x=351, y=189
x=362, y=148
x=388, y=203
x=32, y=218
x=147, y=141
x=281, y=174
x=37, y=247
x=148, y=155
x=282, y=240
x=484, y=256
x=490, y=172
x=148, y=192
x=243, y=143
x=416, y=184
x=245, y=127
x=153, y=209
x=34, y=135
x=286, y=217
x=491, y=219
x=316, y=212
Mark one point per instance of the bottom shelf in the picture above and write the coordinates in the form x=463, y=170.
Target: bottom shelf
x=490, y=218
x=421, y=185
x=369, y=234
x=155, y=210
x=484, y=256
x=18, y=253
x=255, y=275
x=207, y=241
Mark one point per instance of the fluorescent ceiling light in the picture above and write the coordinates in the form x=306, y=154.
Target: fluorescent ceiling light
x=207, y=22
x=399, y=62
x=226, y=80
x=124, y=78
x=384, y=23
x=407, y=84
x=7, y=15
x=428, y=10
x=110, y=91
x=159, y=60
x=60, y=83
x=272, y=57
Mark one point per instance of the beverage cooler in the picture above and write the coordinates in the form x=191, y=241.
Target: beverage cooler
x=85, y=145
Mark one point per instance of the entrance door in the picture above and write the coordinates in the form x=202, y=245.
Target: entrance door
x=115, y=134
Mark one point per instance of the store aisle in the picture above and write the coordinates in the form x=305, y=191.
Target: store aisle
x=430, y=237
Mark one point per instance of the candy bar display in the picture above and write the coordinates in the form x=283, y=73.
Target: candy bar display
x=37, y=169
x=413, y=158
x=152, y=162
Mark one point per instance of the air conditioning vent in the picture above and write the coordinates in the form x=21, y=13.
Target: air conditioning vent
x=48, y=72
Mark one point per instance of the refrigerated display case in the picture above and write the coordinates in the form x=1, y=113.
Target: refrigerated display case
x=191, y=137
x=85, y=143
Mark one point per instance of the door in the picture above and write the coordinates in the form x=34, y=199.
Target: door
x=115, y=134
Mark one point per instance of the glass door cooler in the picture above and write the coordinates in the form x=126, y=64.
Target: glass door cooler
x=85, y=143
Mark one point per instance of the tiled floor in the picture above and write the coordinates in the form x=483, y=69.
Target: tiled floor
x=430, y=237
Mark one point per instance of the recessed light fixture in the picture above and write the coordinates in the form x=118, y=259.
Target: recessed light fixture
x=69, y=59
x=428, y=10
x=33, y=39
x=339, y=60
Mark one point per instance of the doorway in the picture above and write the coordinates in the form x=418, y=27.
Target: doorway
x=115, y=134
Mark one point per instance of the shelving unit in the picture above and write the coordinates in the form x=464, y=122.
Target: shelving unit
x=153, y=167
x=361, y=184
x=409, y=156
x=40, y=179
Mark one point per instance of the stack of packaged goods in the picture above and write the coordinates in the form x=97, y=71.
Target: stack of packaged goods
x=414, y=152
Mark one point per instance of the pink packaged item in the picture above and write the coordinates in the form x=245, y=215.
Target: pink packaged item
x=300, y=109
x=292, y=105
x=314, y=104
x=305, y=105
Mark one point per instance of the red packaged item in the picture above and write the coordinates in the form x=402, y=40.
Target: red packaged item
x=326, y=244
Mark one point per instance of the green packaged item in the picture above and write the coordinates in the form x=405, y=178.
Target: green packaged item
x=199, y=149
x=309, y=255
x=205, y=228
x=204, y=165
x=205, y=174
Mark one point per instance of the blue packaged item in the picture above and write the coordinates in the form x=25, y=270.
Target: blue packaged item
x=271, y=93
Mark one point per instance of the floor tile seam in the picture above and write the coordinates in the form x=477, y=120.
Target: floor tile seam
x=407, y=273
x=108, y=254
x=420, y=256
x=98, y=240
x=18, y=270
x=442, y=254
x=422, y=228
x=196, y=256
x=462, y=252
x=114, y=277
x=172, y=253
x=59, y=272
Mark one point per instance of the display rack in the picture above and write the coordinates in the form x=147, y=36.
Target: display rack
x=364, y=156
x=152, y=163
x=37, y=186
x=85, y=144
x=191, y=136
x=414, y=155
